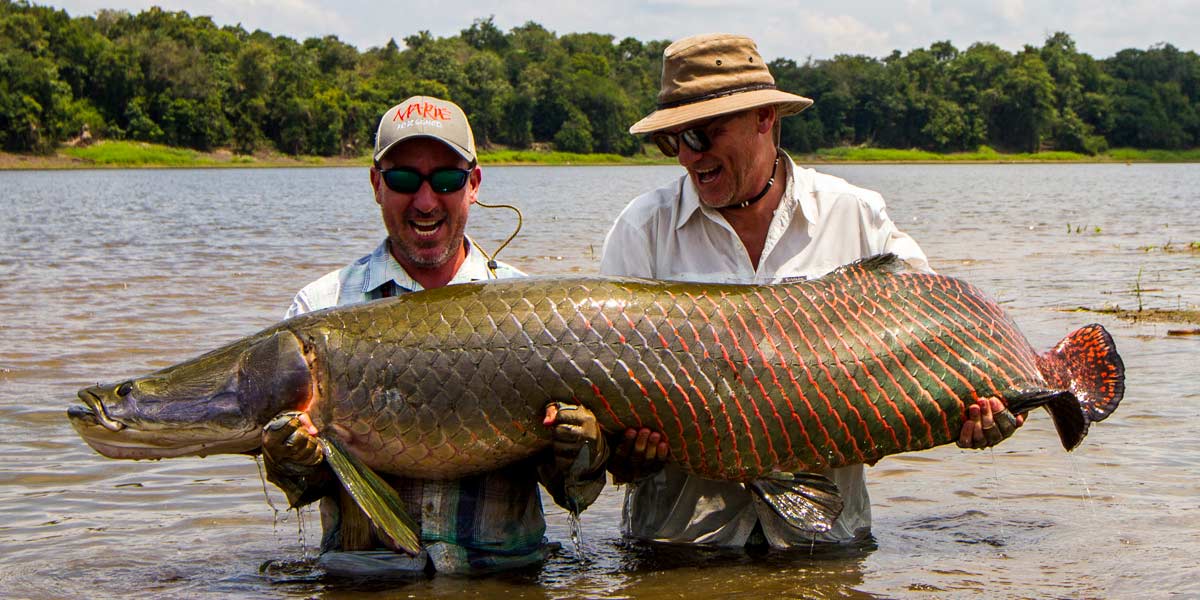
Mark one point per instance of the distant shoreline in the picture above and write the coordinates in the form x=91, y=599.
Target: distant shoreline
x=138, y=155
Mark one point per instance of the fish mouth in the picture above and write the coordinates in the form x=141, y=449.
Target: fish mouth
x=115, y=439
x=94, y=411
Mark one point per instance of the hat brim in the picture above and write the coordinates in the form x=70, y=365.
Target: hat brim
x=463, y=152
x=665, y=118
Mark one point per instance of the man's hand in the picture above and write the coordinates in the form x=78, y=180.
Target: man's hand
x=988, y=423
x=641, y=454
x=290, y=441
x=574, y=429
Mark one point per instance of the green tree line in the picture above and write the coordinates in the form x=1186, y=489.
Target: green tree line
x=171, y=78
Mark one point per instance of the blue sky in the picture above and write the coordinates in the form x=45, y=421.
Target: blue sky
x=782, y=28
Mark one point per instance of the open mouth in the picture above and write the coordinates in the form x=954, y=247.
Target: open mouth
x=706, y=176
x=426, y=227
x=94, y=412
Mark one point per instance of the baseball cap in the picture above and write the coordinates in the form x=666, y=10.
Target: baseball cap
x=425, y=116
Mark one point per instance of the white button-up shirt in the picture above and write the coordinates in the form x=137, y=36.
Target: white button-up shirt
x=821, y=223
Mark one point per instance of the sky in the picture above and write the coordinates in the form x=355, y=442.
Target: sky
x=782, y=28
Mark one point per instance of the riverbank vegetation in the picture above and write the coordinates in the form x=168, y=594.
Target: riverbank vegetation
x=131, y=154
x=175, y=80
x=988, y=154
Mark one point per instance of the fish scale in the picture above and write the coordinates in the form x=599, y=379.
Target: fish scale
x=742, y=380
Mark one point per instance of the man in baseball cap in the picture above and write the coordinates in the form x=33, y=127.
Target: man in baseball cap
x=744, y=212
x=425, y=177
x=423, y=116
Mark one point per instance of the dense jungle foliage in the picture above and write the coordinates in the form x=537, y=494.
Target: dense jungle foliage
x=179, y=80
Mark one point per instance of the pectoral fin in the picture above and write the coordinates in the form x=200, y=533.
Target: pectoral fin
x=808, y=502
x=374, y=496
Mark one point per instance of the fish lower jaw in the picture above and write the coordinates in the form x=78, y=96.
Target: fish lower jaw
x=135, y=444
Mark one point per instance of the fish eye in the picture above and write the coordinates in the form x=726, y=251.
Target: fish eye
x=124, y=389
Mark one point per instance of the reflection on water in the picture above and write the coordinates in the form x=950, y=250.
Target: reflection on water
x=110, y=273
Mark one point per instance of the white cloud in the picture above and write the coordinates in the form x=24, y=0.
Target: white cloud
x=919, y=8
x=1012, y=11
x=844, y=34
x=306, y=18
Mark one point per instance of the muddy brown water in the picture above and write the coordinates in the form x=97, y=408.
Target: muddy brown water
x=105, y=274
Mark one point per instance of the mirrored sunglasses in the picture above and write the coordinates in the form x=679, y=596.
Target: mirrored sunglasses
x=695, y=138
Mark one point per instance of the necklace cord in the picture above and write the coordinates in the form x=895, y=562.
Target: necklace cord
x=766, y=188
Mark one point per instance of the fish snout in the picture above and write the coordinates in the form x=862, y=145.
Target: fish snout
x=93, y=409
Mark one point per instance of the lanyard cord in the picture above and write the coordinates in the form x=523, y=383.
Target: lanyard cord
x=491, y=260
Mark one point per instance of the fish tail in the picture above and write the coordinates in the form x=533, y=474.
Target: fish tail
x=1086, y=364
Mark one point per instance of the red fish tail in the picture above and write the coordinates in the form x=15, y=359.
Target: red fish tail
x=1086, y=363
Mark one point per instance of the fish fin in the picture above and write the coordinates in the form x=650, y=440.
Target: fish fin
x=1064, y=409
x=1086, y=362
x=884, y=263
x=373, y=495
x=1085, y=380
x=806, y=501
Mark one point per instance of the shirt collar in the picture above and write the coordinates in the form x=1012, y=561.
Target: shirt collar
x=799, y=191
x=383, y=268
x=689, y=201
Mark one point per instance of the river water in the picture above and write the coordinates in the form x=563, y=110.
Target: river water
x=106, y=274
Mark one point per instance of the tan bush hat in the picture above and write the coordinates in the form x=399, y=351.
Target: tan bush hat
x=423, y=116
x=714, y=74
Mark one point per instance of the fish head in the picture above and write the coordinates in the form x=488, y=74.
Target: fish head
x=216, y=403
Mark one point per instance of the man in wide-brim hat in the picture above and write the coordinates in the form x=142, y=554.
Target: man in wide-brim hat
x=743, y=213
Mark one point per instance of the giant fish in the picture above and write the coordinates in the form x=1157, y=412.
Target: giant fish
x=747, y=382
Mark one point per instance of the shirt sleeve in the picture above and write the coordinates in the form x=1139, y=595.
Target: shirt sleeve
x=299, y=306
x=889, y=238
x=325, y=292
x=627, y=251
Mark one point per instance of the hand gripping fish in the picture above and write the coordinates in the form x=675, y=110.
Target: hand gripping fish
x=749, y=383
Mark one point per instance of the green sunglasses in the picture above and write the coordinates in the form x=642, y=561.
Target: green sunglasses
x=407, y=180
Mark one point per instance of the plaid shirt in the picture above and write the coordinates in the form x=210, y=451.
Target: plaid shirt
x=473, y=525
x=378, y=275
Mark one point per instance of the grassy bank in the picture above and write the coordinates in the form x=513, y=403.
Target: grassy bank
x=135, y=154
x=986, y=154
x=538, y=157
x=124, y=154
x=112, y=153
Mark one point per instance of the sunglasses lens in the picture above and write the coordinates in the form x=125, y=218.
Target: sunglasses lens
x=448, y=180
x=667, y=143
x=696, y=140
x=404, y=181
